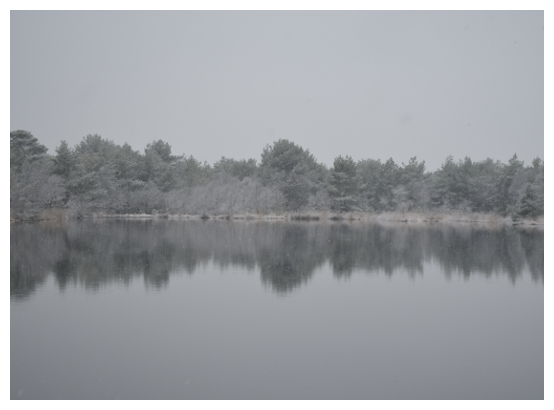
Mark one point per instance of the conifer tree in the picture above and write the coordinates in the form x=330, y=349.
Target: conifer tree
x=344, y=185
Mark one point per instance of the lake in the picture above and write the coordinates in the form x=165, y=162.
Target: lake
x=185, y=309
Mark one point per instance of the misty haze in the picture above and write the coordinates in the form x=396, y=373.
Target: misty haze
x=277, y=205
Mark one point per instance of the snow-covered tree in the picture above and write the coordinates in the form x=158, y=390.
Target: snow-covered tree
x=344, y=185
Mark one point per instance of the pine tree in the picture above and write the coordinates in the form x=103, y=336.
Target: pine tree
x=24, y=147
x=344, y=185
x=63, y=161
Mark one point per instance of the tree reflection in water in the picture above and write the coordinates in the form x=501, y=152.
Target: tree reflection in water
x=96, y=253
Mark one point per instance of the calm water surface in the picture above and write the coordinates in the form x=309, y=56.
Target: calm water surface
x=275, y=310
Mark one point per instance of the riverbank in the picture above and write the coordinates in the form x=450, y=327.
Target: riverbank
x=405, y=217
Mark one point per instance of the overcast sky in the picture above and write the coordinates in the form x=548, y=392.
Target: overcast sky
x=365, y=84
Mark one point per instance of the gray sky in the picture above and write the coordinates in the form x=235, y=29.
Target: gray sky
x=365, y=84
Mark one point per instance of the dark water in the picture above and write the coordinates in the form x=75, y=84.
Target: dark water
x=219, y=310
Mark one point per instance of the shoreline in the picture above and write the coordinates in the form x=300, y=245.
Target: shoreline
x=405, y=217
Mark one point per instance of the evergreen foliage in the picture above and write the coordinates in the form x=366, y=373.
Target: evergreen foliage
x=294, y=171
x=240, y=169
x=33, y=186
x=24, y=148
x=344, y=185
x=99, y=175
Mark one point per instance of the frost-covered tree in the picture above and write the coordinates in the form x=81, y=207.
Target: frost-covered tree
x=344, y=185
x=506, y=199
x=451, y=185
x=92, y=180
x=158, y=165
x=240, y=169
x=294, y=171
x=98, y=175
x=190, y=172
x=63, y=161
x=32, y=185
x=34, y=188
x=388, y=180
x=484, y=185
x=163, y=149
x=532, y=203
x=127, y=166
x=412, y=178
x=369, y=171
x=24, y=147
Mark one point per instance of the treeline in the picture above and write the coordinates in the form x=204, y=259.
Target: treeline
x=286, y=255
x=98, y=175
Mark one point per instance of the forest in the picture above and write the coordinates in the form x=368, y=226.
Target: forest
x=99, y=176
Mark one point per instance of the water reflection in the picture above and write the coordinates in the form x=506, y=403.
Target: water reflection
x=97, y=253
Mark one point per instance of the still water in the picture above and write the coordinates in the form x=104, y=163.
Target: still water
x=164, y=309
